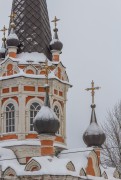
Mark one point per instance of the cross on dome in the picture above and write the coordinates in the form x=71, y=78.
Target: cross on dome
x=4, y=30
x=4, y=33
x=55, y=21
x=92, y=89
x=12, y=16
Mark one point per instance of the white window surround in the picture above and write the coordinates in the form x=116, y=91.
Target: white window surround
x=3, y=119
x=56, y=103
x=10, y=118
x=34, y=109
x=27, y=118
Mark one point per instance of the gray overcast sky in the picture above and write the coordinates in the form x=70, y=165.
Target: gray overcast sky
x=91, y=33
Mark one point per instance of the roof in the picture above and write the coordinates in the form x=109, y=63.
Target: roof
x=48, y=165
x=32, y=25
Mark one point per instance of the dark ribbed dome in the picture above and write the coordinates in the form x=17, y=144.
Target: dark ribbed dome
x=56, y=44
x=32, y=26
x=46, y=121
x=12, y=39
x=94, y=136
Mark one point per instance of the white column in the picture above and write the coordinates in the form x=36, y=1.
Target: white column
x=21, y=123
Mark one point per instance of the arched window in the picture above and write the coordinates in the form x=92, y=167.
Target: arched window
x=10, y=118
x=34, y=108
x=57, y=111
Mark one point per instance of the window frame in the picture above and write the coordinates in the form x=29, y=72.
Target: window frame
x=33, y=113
x=10, y=118
x=27, y=112
x=3, y=116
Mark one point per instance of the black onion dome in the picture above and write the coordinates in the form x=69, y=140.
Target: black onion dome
x=94, y=136
x=46, y=121
x=2, y=51
x=12, y=39
x=56, y=44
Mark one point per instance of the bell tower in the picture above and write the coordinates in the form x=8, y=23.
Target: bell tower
x=29, y=60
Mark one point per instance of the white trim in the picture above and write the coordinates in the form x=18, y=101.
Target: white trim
x=12, y=101
x=61, y=117
x=27, y=118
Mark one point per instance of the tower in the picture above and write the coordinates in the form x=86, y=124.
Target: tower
x=23, y=74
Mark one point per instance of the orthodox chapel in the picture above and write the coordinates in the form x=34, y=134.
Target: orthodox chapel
x=33, y=95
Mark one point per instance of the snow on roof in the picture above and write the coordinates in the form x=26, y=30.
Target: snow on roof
x=12, y=36
x=54, y=41
x=46, y=113
x=54, y=166
x=8, y=159
x=34, y=56
x=2, y=50
x=77, y=156
x=100, y=178
x=108, y=170
x=50, y=165
x=94, y=129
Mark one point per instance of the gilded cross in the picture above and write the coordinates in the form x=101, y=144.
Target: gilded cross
x=92, y=89
x=12, y=16
x=47, y=68
x=4, y=30
x=4, y=33
x=55, y=21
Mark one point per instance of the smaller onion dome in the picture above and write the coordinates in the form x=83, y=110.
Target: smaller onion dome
x=56, y=44
x=94, y=136
x=46, y=121
x=2, y=51
x=12, y=39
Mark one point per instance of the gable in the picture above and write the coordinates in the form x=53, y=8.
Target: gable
x=32, y=165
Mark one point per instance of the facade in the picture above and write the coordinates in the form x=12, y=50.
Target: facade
x=33, y=95
x=23, y=78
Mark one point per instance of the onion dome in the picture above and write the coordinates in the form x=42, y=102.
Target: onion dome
x=12, y=39
x=2, y=51
x=56, y=44
x=94, y=136
x=46, y=121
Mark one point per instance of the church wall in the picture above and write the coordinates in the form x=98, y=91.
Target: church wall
x=21, y=92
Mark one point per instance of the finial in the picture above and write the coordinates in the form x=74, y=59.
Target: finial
x=92, y=89
x=55, y=20
x=4, y=34
x=47, y=68
x=12, y=16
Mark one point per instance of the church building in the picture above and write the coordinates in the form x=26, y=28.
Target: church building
x=33, y=95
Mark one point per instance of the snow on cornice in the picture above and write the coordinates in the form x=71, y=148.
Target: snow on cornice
x=22, y=74
x=29, y=142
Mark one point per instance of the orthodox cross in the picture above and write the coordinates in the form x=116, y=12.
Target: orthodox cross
x=55, y=21
x=92, y=89
x=4, y=33
x=45, y=66
x=12, y=16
